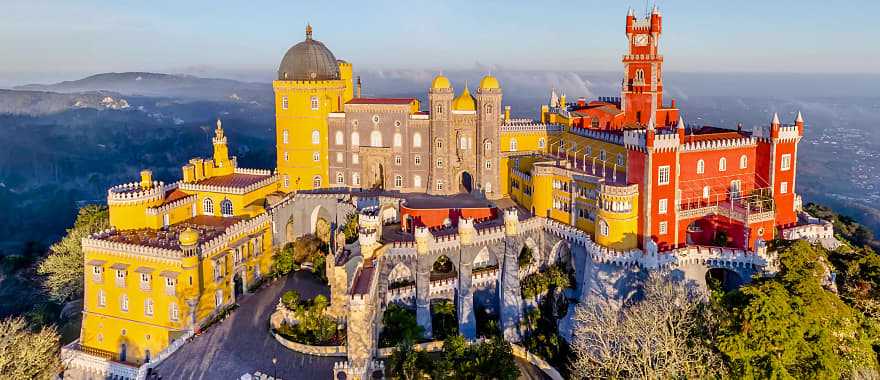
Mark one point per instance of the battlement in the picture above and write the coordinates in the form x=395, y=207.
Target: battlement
x=241, y=227
x=207, y=185
x=134, y=193
x=187, y=200
x=696, y=146
x=613, y=138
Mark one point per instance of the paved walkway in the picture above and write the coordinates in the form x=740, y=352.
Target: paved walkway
x=242, y=344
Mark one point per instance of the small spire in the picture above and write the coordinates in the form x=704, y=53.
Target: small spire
x=309, y=31
x=775, y=120
x=219, y=124
x=651, y=123
x=656, y=10
x=799, y=118
x=631, y=12
x=680, y=122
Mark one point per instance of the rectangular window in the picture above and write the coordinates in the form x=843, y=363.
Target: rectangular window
x=174, y=313
x=314, y=103
x=662, y=206
x=148, y=307
x=145, y=281
x=439, y=185
x=316, y=156
x=284, y=102
x=785, y=162
x=218, y=298
x=783, y=188
x=102, y=298
x=355, y=159
x=663, y=228
x=123, y=303
x=663, y=175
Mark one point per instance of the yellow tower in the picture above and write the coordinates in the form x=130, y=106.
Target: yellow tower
x=311, y=84
x=222, y=164
x=617, y=217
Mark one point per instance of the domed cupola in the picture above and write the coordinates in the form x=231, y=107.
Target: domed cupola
x=309, y=60
x=465, y=101
x=489, y=82
x=441, y=82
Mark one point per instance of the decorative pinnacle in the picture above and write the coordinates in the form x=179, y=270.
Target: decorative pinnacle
x=799, y=118
x=651, y=123
x=631, y=12
x=680, y=122
x=775, y=120
x=309, y=31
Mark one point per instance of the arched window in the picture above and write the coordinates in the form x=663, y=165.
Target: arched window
x=488, y=187
x=285, y=136
x=640, y=77
x=398, y=181
x=439, y=143
x=513, y=145
x=603, y=228
x=226, y=207
x=316, y=182
x=356, y=179
x=417, y=140
x=376, y=138
x=316, y=137
x=487, y=146
x=208, y=206
x=701, y=167
x=340, y=139
x=398, y=140
x=743, y=162
x=541, y=142
x=462, y=143
x=488, y=109
x=706, y=192
x=722, y=164
x=340, y=178
x=398, y=160
x=417, y=160
x=417, y=181
x=488, y=164
x=355, y=139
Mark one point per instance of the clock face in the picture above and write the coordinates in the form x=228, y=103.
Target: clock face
x=641, y=40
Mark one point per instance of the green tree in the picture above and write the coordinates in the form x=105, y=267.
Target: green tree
x=283, y=263
x=790, y=326
x=350, y=229
x=443, y=319
x=63, y=268
x=28, y=355
x=406, y=363
x=400, y=326
x=290, y=299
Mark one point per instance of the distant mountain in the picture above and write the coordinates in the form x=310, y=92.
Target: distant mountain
x=43, y=103
x=164, y=85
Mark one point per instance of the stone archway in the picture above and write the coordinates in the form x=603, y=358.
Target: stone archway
x=466, y=182
x=320, y=223
x=723, y=279
x=401, y=275
x=443, y=268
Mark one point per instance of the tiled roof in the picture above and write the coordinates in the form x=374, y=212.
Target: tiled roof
x=233, y=180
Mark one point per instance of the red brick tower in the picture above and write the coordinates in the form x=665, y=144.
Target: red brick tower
x=642, y=92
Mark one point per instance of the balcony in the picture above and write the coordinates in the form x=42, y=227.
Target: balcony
x=747, y=210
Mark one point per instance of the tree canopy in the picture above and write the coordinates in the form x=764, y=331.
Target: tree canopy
x=790, y=326
x=26, y=354
x=63, y=268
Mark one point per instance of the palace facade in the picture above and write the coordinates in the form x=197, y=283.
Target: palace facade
x=622, y=180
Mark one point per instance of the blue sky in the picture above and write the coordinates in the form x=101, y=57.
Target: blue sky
x=88, y=36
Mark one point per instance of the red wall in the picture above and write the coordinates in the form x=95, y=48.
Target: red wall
x=691, y=183
x=434, y=217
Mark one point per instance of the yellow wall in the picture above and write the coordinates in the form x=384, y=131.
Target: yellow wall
x=299, y=120
x=103, y=325
x=623, y=226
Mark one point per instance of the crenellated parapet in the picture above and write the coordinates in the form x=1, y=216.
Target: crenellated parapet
x=245, y=226
x=135, y=193
x=612, y=138
x=236, y=190
x=724, y=144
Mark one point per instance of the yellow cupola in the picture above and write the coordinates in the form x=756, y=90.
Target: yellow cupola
x=441, y=82
x=465, y=101
x=189, y=237
x=489, y=82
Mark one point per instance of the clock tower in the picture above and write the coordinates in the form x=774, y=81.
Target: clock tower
x=642, y=91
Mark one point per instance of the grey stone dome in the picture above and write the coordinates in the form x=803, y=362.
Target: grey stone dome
x=308, y=60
